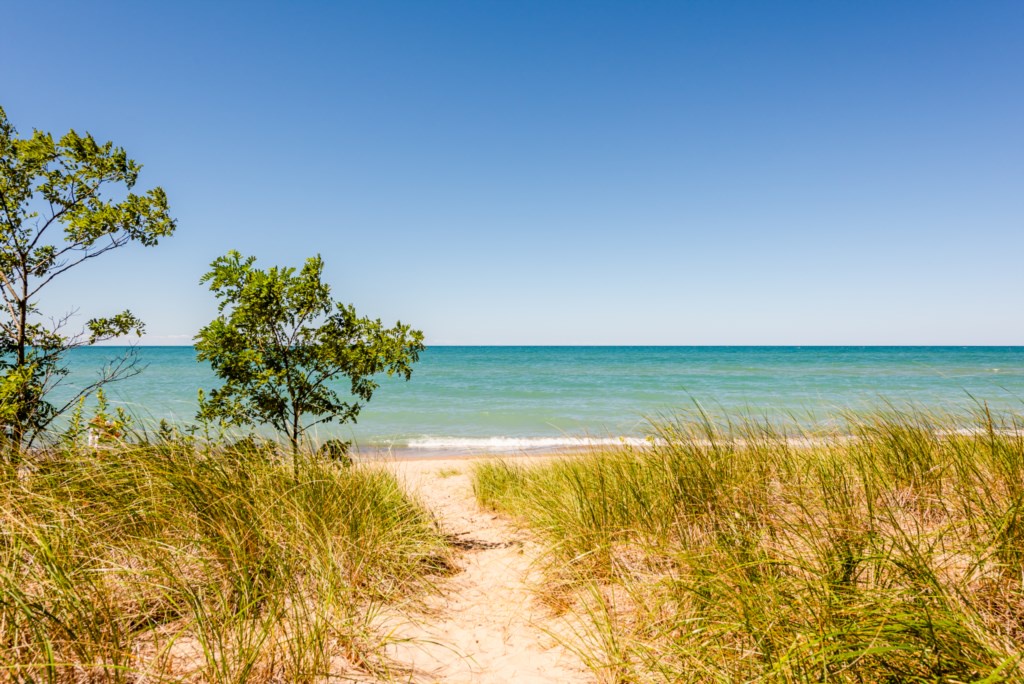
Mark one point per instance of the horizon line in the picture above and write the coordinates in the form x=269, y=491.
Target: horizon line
x=650, y=345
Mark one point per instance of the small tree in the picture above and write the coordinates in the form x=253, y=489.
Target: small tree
x=54, y=216
x=281, y=344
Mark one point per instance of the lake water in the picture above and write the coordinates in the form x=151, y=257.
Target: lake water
x=467, y=398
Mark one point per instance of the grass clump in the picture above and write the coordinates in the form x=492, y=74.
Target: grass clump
x=445, y=473
x=889, y=551
x=157, y=563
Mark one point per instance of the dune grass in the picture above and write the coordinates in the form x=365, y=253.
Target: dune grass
x=156, y=563
x=890, y=551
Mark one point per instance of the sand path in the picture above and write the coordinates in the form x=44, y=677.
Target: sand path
x=485, y=625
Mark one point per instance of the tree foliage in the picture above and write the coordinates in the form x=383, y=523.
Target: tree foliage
x=281, y=346
x=62, y=203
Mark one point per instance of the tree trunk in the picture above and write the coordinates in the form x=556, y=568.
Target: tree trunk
x=22, y=413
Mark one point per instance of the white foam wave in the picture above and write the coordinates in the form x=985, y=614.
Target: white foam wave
x=520, y=443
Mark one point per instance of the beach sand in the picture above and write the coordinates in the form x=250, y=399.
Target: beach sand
x=485, y=624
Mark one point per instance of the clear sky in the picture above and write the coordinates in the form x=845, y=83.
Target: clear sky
x=561, y=172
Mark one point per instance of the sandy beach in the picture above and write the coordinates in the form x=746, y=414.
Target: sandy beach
x=484, y=625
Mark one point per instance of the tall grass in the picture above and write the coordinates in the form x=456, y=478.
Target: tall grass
x=892, y=550
x=155, y=563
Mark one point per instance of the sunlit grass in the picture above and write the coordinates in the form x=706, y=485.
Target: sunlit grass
x=155, y=563
x=891, y=550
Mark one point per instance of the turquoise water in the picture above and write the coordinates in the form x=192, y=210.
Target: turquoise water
x=534, y=397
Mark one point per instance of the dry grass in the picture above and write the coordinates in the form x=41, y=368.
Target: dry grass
x=445, y=473
x=155, y=563
x=890, y=551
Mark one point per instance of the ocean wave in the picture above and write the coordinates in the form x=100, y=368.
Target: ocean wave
x=520, y=443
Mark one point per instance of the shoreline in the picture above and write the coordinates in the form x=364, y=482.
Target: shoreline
x=422, y=456
x=412, y=455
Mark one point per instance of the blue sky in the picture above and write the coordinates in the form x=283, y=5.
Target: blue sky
x=561, y=172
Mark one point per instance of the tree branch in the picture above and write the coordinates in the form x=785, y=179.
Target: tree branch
x=70, y=265
x=74, y=202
